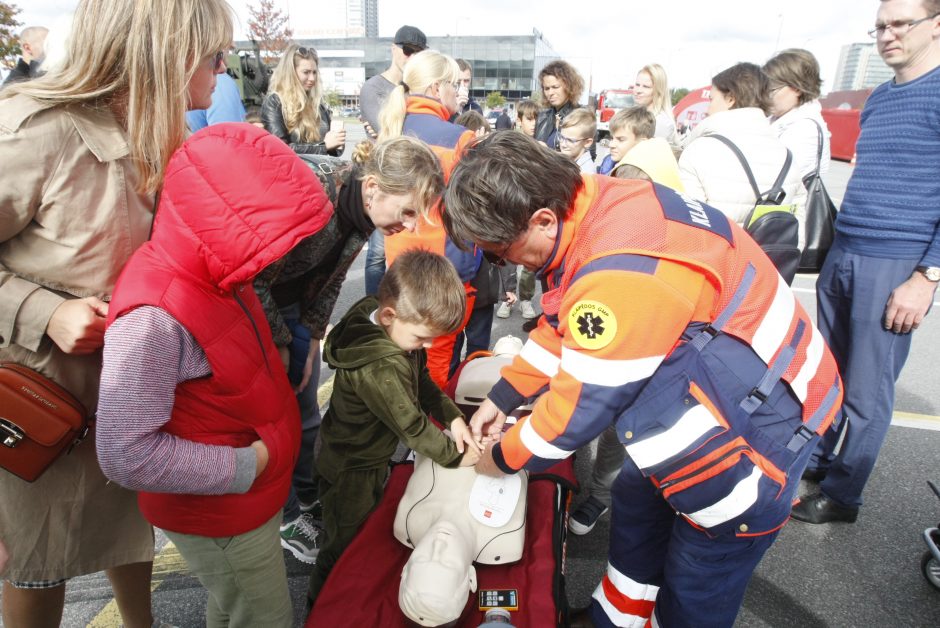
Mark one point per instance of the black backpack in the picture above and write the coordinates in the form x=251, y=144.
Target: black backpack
x=773, y=226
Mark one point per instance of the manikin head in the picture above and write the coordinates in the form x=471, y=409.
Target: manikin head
x=439, y=576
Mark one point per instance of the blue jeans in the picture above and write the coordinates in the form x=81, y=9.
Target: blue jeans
x=375, y=262
x=851, y=295
x=303, y=486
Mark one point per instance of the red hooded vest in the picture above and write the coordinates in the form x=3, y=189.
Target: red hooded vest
x=235, y=199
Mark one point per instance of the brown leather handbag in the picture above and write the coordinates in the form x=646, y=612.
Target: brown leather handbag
x=39, y=421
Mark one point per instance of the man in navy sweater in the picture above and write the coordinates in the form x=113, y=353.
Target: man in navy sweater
x=882, y=272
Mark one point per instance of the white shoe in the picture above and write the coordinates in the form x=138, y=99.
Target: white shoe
x=527, y=310
x=504, y=310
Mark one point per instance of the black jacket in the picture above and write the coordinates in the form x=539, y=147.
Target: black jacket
x=546, y=126
x=23, y=71
x=272, y=117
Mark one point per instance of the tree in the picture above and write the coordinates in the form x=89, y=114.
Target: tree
x=9, y=44
x=495, y=100
x=268, y=27
x=332, y=99
x=678, y=94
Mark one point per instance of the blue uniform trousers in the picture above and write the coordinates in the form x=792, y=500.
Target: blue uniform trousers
x=695, y=574
x=851, y=294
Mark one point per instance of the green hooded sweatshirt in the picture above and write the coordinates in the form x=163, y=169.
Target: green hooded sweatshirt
x=381, y=394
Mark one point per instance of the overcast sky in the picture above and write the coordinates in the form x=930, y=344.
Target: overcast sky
x=692, y=39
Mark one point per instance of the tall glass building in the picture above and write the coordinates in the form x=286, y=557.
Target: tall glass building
x=507, y=64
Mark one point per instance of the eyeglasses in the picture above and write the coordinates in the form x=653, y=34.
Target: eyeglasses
x=410, y=49
x=898, y=28
x=497, y=260
x=567, y=140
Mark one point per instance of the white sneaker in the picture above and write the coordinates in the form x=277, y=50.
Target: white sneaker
x=527, y=310
x=302, y=538
x=504, y=310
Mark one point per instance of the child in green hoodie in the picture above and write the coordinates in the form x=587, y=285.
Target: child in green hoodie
x=382, y=393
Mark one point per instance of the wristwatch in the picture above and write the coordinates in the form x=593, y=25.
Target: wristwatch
x=932, y=273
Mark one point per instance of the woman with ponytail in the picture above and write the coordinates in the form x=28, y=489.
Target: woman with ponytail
x=294, y=111
x=421, y=106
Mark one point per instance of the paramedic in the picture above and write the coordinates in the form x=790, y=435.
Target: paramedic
x=663, y=318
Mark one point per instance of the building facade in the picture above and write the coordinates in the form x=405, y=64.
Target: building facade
x=505, y=64
x=860, y=67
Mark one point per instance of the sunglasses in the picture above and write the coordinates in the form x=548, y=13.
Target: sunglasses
x=410, y=49
x=217, y=60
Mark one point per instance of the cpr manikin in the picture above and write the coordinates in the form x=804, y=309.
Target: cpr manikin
x=453, y=518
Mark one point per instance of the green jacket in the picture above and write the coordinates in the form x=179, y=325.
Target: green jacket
x=381, y=394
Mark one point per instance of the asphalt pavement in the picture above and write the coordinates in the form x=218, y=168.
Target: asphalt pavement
x=864, y=574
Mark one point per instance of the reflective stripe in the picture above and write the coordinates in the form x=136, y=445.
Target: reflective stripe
x=540, y=358
x=814, y=354
x=738, y=500
x=590, y=370
x=776, y=323
x=654, y=622
x=630, y=587
x=538, y=445
x=632, y=595
x=656, y=449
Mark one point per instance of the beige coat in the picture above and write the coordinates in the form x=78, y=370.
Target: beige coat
x=69, y=220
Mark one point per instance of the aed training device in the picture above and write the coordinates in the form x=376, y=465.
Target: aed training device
x=499, y=598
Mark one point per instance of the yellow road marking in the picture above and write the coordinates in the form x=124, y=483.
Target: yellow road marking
x=168, y=561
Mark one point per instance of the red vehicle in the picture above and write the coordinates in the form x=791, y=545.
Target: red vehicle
x=609, y=102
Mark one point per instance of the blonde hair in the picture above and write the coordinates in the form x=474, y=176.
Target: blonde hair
x=300, y=107
x=424, y=289
x=137, y=59
x=400, y=166
x=422, y=71
x=580, y=117
x=639, y=119
x=657, y=74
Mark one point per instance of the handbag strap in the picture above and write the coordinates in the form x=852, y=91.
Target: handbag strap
x=775, y=194
x=819, y=145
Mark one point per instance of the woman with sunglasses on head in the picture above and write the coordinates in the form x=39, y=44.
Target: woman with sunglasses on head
x=84, y=150
x=421, y=106
x=796, y=116
x=294, y=110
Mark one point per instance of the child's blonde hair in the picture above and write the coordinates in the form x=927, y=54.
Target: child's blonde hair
x=424, y=289
x=583, y=118
x=638, y=119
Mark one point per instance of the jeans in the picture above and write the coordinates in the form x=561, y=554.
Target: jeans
x=375, y=262
x=303, y=486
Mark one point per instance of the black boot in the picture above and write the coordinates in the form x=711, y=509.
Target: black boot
x=820, y=509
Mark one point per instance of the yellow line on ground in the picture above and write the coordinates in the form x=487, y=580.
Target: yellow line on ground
x=168, y=561
x=919, y=421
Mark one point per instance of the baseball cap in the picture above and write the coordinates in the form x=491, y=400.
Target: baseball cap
x=411, y=36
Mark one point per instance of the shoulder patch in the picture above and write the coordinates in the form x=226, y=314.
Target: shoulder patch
x=681, y=208
x=592, y=324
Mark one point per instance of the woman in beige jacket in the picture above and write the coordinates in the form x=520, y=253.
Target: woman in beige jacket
x=83, y=150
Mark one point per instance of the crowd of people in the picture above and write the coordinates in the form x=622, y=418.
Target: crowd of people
x=175, y=269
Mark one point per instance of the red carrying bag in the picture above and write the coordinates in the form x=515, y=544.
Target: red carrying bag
x=39, y=421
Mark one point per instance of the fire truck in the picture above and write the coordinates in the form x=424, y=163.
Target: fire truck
x=609, y=102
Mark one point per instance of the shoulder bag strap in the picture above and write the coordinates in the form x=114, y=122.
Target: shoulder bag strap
x=819, y=146
x=747, y=169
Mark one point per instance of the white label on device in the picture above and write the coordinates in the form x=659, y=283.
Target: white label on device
x=493, y=500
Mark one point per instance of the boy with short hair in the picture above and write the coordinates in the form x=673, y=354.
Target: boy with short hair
x=527, y=112
x=575, y=137
x=628, y=128
x=383, y=394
